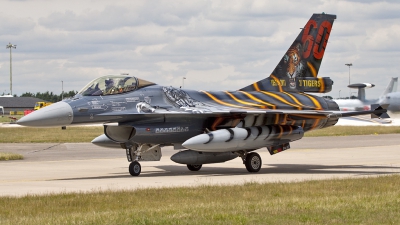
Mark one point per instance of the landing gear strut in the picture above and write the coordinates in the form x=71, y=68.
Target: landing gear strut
x=194, y=167
x=142, y=152
x=133, y=152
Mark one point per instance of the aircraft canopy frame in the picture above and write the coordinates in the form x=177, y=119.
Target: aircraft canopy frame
x=113, y=84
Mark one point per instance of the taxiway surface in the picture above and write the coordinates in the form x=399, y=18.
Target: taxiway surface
x=82, y=167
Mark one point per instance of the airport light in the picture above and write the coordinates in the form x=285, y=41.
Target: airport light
x=183, y=82
x=10, y=46
x=349, y=64
x=339, y=93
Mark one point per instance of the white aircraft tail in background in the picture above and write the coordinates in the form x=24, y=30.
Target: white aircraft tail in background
x=391, y=96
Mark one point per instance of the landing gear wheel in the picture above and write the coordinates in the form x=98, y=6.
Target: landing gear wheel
x=253, y=162
x=193, y=167
x=135, y=168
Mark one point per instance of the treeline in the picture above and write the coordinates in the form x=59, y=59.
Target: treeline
x=50, y=96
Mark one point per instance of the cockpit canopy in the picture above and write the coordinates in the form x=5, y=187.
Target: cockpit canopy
x=113, y=84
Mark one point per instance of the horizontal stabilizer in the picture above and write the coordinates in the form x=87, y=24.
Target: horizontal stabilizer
x=380, y=111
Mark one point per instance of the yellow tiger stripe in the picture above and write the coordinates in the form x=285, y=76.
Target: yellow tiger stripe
x=281, y=99
x=216, y=123
x=297, y=101
x=258, y=100
x=315, y=101
x=243, y=102
x=280, y=132
x=312, y=69
x=278, y=82
x=322, y=88
x=276, y=118
x=291, y=130
x=255, y=85
x=316, y=122
x=293, y=98
x=284, y=120
x=219, y=101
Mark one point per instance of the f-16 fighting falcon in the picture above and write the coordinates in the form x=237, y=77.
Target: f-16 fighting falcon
x=209, y=126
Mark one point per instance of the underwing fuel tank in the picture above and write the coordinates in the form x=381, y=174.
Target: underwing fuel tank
x=195, y=157
x=235, y=139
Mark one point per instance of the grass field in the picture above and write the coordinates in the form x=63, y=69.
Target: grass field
x=6, y=118
x=353, y=130
x=5, y=156
x=86, y=134
x=49, y=135
x=347, y=201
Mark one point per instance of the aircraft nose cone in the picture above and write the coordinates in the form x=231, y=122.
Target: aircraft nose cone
x=57, y=114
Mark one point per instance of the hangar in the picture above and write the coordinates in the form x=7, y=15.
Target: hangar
x=16, y=105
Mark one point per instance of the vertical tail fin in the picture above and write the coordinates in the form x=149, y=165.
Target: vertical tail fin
x=392, y=86
x=298, y=68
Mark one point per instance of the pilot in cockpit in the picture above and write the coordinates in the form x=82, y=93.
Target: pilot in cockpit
x=110, y=88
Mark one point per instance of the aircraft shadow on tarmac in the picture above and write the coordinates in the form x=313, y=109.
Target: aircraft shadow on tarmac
x=207, y=171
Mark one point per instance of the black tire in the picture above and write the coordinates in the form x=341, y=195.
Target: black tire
x=135, y=168
x=253, y=162
x=193, y=167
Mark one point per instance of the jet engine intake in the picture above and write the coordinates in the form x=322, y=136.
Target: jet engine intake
x=119, y=134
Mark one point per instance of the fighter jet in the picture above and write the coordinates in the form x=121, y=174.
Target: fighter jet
x=209, y=126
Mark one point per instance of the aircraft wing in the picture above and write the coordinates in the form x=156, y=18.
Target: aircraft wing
x=378, y=111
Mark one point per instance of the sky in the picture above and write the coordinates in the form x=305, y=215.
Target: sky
x=215, y=45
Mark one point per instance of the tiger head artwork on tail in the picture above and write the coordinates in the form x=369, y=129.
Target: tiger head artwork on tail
x=297, y=71
x=292, y=65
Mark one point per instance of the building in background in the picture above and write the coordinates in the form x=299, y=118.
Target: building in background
x=17, y=105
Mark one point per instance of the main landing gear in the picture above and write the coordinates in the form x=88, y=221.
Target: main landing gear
x=252, y=161
x=194, y=167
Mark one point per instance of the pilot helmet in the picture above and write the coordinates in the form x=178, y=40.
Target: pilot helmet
x=109, y=82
